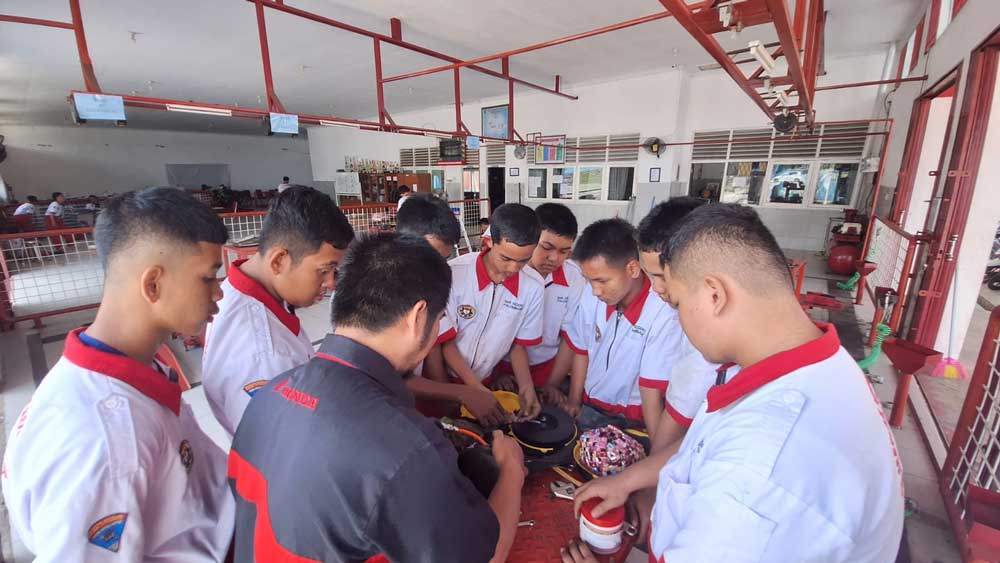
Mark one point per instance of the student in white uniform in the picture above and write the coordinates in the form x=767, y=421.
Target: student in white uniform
x=626, y=339
x=27, y=208
x=789, y=459
x=563, y=286
x=56, y=208
x=107, y=463
x=495, y=308
x=430, y=218
x=255, y=337
x=284, y=185
x=404, y=194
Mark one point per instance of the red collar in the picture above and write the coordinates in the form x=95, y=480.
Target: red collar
x=634, y=309
x=249, y=287
x=559, y=277
x=143, y=378
x=483, y=276
x=769, y=369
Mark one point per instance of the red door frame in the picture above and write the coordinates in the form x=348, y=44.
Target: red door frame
x=956, y=192
x=915, y=143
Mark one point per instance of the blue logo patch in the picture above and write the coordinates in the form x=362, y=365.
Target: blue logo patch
x=254, y=386
x=107, y=532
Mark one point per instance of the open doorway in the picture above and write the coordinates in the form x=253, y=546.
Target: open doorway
x=495, y=185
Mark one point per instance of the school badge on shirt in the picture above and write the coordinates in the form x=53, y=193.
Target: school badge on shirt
x=597, y=333
x=187, y=455
x=466, y=311
x=254, y=386
x=107, y=532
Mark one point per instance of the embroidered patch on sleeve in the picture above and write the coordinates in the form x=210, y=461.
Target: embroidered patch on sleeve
x=107, y=532
x=254, y=386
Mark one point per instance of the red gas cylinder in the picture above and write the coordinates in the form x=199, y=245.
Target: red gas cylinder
x=841, y=259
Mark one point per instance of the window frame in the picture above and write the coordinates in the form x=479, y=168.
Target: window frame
x=605, y=168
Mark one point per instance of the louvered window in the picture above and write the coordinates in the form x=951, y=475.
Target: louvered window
x=624, y=154
x=496, y=154
x=716, y=145
x=794, y=147
x=421, y=157
x=592, y=149
x=843, y=147
x=586, y=173
x=751, y=149
x=406, y=158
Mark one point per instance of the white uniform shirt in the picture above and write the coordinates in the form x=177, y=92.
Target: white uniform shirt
x=789, y=460
x=402, y=200
x=563, y=288
x=25, y=209
x=485, y=318
x=55, y=208
x=252, y=339
x=106, y=463
x=625, y=349
x=283, y=186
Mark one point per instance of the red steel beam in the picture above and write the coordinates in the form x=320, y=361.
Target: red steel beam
x=872, y=83
x=273, y=104
x=86, y=65
x=399, y=43
x=505, y=66
x=458, y=101
x=800, y=18
x=535, y=47
x=814, y=43
x=783, y=25
x=35, y=21
x=684, y=17
x=396, y=28
x=379, y=92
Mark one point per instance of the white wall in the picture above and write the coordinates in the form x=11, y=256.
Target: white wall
x=930, y=158
x=670, y=105
x=90, y=160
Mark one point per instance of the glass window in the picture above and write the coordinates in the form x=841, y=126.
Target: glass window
x=536, y=182
x=562, y=183
x=944, y=17
x=835, y=183
x=591, y=182
x=743, y=182
x=908, y=57
x=706, y=178
x=620, y=183
x=788, y=183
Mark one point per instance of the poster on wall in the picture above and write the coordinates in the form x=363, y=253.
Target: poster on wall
x=495, y=122
x=551, y=150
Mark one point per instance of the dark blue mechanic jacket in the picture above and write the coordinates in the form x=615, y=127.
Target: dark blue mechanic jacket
x=332, y=463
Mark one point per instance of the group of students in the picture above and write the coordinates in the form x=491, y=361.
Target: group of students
x=767, y=442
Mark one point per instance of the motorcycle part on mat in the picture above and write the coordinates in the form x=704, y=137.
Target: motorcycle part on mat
x=552, y=429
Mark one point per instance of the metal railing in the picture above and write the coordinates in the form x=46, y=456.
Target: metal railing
x=893, y=251
x=973, y=462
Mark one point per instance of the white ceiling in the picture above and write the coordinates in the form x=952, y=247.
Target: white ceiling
x=207, y=50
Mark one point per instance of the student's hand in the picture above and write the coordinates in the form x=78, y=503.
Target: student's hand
x=505, y=383
x=508, y=454
x=577, y=552
x=613, y=491
x=571, y=407
x=484, y=406
x=639, y=508
x=551, y=396
x=530, y=407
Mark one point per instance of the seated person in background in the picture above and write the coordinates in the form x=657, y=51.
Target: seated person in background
x=563, y=284
x=404, y=194
x=752, y=479
x=430, y=218
x=107, y=462
x=354, y=470
x=484, y=233
x=254, y=337
x=54, y=213
x=495, y=308
x=625, y=342
x=27, y=208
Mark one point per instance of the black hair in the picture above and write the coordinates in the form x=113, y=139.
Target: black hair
x=653, y=232
x=730, y=238
x=484, y=221
x=383, y=276
x=515, y=223
x=284, y=178
x=55, y=195
x=611, y=239
x=558, y=219
x=156, y=213
x=301, y=219
x=32, y=199
x=404, y=189
x=423, y=214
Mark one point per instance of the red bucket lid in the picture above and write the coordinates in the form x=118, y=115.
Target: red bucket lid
x=610, y=519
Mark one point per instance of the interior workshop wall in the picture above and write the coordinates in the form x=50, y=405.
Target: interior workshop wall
x=89, y=160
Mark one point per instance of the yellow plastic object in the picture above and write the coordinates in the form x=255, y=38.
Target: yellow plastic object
x=507, y=400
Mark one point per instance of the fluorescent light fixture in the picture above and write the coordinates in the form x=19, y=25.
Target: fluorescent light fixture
x=784, y=99
x=201, y=110
x=327, y=123
x=765, y=59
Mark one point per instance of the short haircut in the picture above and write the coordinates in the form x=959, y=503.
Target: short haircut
x=515, y=223
x=404, y=188
x=729, y=238
x=55, y=195
x=611, y=239
x=383, y=276
x=32, y=199
x=423, y=214
x=484, y=221
x=655, y=229
x=162, y=214
x=558, y=219
x=284, y=178
x=301, y=219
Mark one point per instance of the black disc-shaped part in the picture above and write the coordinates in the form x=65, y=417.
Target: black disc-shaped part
x=552, y=428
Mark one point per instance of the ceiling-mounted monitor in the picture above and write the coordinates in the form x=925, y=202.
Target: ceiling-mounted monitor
x=283, y=123
x=98, y=107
